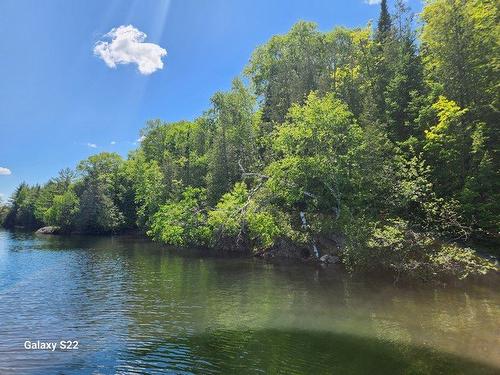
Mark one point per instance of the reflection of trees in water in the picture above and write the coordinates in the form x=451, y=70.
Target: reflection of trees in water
x=143, y=298
x=292, y=352
x=185, y=296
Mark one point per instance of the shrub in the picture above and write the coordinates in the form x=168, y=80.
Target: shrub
x=239, y=218
x=458, y=261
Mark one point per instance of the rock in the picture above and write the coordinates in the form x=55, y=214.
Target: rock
x=329, y=259
x=49, y=230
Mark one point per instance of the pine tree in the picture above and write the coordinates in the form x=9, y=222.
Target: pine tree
x=384, y=22
x=382, y=51
x=405, y=86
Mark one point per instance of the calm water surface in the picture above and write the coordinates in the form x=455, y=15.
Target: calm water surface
x=138, y=308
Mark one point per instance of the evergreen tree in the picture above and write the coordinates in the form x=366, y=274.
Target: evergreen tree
x=384, y=27
x=406, y=86
x=233, y=150
x=382, y=73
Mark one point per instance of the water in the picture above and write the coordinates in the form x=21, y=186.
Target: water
x=135, y=307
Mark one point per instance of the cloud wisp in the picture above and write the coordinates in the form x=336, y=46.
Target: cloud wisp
x=5, y=171
x=126, y=46
x=139, y=140
x=373, y=2
x=91, y=145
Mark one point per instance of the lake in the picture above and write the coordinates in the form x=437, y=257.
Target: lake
x=139, y=308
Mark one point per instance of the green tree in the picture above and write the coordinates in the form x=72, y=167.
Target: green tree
x=4, y=210
x=179, y=149
x=406, y=86
x=22, y=209
x=148, y=185
x=460, y=49
x=182, y=222
x=447, y=146
x=318, y=146
x=349, y=63
x=55, y=186
x=240, y=221
x=233, y=149
x=382, y=51
x=98, y=194
x=64, y=210
x=287, y=68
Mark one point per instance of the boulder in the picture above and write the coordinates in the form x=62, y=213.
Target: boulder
x=49, y=230
x=329, y=259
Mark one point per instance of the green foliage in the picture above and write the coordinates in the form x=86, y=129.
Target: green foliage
x=179, y=149
x=384, y=27
x=368, y=135
x=460, y=262
x=22, y=209
x=4, y=211
x=55, y=186
x=445, y=145
x=228, y=216
x=389, y=245
x=149, y=191
x=405, y=86
x=460, y=49
x=287, y=68
x=233, y=145
x=182, y=223
x=392, y=244
x=239, y=219
x=265, y=227
x=481, y=196
x=64, y=211
x=318, y=146
x=97, y=189
x=396, y=247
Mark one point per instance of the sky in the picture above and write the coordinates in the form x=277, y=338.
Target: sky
x=82, y=77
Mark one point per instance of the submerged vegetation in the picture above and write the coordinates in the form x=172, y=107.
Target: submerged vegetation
x=382, y=141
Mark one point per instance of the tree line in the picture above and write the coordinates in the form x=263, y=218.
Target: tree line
x=385, y=136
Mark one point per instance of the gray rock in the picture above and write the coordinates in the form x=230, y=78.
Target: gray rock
x=49, y=230
x=329, y=259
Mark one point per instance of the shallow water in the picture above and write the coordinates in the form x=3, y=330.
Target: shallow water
x=135, y=307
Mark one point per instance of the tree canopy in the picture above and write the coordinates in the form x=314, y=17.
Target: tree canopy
x=385, y=137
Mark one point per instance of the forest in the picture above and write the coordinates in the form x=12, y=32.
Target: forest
x=378, y=144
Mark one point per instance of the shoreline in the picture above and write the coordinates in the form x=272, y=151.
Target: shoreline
x=281, y=260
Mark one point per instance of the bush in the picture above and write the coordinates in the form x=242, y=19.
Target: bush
x=396, y=247
x=240, y=219
x=460, y=262
x=227, y=218
x=387, y=246
x=263, y=228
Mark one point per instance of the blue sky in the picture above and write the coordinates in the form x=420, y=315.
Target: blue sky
x=60, y=103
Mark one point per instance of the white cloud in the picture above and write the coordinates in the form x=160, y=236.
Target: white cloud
x=92, y=145
x=373, y=2
x=112, y=143
x=139, y=140
x=5, y=171
x=127, y=46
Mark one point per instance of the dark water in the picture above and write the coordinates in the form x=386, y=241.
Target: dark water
x=135, y=307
